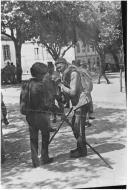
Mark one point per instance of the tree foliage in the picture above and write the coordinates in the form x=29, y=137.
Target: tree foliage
x=57, y=24
x=106, y=20
x=16, y=24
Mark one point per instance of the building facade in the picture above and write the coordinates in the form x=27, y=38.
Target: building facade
x=30, y=53
x=89, y=55
x=7, y=51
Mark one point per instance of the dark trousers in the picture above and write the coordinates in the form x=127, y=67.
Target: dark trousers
x=78, y=127
x=38, y=121
x=2, y=146
x=104, y=75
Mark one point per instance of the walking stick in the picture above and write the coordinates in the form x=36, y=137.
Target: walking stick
x=99, y=155
x=64, y=120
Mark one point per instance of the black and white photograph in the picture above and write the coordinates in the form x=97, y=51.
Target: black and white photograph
x=63, y=94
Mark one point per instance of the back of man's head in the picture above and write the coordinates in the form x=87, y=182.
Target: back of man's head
x=60, y=60
x=38, y=70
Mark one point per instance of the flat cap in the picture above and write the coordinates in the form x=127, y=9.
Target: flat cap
x=38, y=69
x=60, y=60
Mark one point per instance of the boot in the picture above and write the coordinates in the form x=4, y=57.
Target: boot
x=80, y=151
x=48, y=161
x=108, y=82
x=35, y=165
x=74, y=150
x=78, y=154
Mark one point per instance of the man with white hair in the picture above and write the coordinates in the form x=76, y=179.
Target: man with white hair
x=72, y=87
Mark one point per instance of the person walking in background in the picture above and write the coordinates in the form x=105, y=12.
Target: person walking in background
x=102, y=68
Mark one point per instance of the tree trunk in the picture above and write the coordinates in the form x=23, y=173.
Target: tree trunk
x=102, y=69
x=116, y=59
x=18, y=61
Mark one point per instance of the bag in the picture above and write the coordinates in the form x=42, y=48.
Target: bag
x=25, y=98
x=86, y=80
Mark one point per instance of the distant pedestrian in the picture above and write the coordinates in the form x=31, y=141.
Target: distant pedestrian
x=13, y=73
x=102, y=69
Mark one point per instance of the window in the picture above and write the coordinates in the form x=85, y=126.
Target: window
x=36, y=52
x=83, y=48
x=88, y=48
x=6, y=52
x=78, y=48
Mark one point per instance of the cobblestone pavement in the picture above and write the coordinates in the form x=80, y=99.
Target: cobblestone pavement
x=107, y=134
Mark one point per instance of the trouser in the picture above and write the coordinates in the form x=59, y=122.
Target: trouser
x=104, y=75
x=38, y=121
x=2, y=146
x=78, y=127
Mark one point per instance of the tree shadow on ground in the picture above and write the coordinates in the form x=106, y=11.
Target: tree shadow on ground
x=105, y=134
x=7, y=86
x=109, y=76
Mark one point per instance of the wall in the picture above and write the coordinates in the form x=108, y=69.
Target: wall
x=29, y=55
x=12, y=52
x=86, y=54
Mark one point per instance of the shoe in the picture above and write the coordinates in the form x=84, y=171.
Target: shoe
x=35, y=165
x=87, y=124
x=108, y=82
x=51, y=129
x=78, y=154
x=50, y=160
x=91, y=117
x=74, y=150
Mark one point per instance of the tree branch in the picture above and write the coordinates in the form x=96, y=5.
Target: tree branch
x=6, y=34
x=66, y=50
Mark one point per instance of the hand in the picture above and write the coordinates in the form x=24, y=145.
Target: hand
x=61, y=86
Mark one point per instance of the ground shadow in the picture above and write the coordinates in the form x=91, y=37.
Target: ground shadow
x=104, y=136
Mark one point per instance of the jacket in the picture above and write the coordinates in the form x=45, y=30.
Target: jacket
x=73, y=87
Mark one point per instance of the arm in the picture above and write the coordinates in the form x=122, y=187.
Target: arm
x=74, y=84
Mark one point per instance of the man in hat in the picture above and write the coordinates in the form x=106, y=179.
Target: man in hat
x=38, y=99
x=51, y=80
x=72, y=87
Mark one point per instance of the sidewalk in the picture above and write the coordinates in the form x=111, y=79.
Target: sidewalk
x=107, y=135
